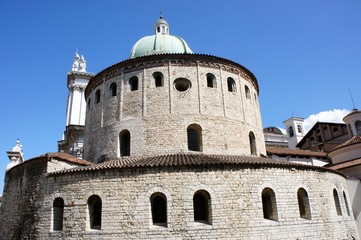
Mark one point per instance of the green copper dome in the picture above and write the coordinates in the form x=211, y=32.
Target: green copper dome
x=160, y=42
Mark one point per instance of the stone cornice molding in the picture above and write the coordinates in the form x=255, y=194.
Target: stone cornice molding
x=174, y=60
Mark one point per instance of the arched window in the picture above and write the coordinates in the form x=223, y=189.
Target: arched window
x=158, y=79
x=113, y=89
x=299, y=128
x=97, y=96
x=124, y=142
x=303, y=204
x=346, y=203
x=231, y=84
x=95, y=212
x=133, y=82
x=252, y=143
x=211, y=80
x=58, y=211
x=269, y=204
x=194, y=137
x=201, y=206
x=337, y=202
x=248, y=94
x=158, y=202
x=358, y=127
x=290, y=131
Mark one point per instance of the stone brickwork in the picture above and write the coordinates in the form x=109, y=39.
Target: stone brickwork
x=157, y=117
x=23, y=189
x=235, y=203
x=23, y=195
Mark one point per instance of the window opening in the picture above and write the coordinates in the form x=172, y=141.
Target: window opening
x=58, y=212
x=113, y=89
x=158, y=78
x=248, y=94
x=299, y=128
x=133, y=81
x=211, y=80
x=124, y=139
x=182, y=84
x=252, y=143
x=269, y=204
x=358, y=127
x=337, y=202
x=346, y=203
x=194, y=137
x=303, y=204
x=231, y=84
x=95, y=212
x=201, y=206
x=97, y=96
x=158, y=203
x=290, y=131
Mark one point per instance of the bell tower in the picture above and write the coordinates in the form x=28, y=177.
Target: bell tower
x=73, y=138
x=295, y=130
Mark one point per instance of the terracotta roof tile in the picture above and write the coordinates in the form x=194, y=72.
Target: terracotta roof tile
x=184, y=159
x=352, y=141
x=66, y=157
x=347, y=164
x=294, y=152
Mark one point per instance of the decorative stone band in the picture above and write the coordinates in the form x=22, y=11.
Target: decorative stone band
x=174, y=59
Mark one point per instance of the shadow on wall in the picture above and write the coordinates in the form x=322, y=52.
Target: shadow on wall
x=354, y=187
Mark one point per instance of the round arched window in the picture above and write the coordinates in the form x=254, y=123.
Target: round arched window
x=182, y=84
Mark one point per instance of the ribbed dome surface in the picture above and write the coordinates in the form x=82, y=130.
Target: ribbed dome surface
x=160, y=42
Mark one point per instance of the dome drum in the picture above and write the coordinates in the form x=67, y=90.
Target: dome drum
x=163, y=112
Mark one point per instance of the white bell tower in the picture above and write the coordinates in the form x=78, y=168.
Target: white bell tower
x=73, y=137
x=295, y=130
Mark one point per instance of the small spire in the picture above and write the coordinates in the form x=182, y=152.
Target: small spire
x=161, y=15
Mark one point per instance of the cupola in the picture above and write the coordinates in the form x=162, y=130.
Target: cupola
x=159, y=43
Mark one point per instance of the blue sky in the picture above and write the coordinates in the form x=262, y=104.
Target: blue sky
x=305, y=54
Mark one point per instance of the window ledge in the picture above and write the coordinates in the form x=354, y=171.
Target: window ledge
x=200, y=225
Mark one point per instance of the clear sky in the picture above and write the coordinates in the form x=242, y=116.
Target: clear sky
x=305, y=54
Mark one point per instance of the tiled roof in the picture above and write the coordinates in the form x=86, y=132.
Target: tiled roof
x=184, y=159
x=294, y=152
x=352, y=141
x=66, y=157
x=55, y=155
x=347, y=164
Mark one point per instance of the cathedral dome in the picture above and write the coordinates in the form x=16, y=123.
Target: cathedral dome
x=160, y=42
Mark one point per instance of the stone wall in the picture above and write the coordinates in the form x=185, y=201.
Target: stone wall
x=235, y=203
x=23, y=196
x=22, y=199
x=157, y=117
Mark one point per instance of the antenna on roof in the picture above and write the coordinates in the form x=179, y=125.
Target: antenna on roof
x=353, y=103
